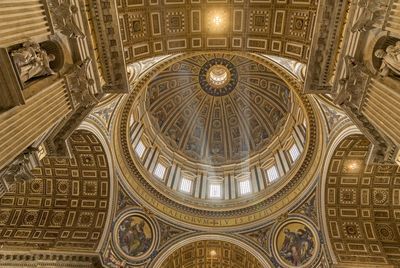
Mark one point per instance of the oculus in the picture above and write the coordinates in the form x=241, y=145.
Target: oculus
x=218, y=77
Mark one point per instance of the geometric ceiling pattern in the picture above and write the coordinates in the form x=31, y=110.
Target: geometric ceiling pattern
x=158, y=27
x=65, y=206
x=362, y=206
x=138, y=152
x=211, y=253
x=217, y=129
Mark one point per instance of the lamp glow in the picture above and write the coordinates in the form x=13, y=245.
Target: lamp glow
x=217, y=20
x=213, y=253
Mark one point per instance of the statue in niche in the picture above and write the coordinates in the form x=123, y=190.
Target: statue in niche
x=390, y=60
x=32, y=61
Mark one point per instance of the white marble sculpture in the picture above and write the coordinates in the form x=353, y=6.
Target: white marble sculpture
x=390, y=60
x=369, y=14
x=63, y=17
x=32, y=61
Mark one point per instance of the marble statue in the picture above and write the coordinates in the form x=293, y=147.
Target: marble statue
x=390, y=59
x=63, y=16
x=32, y=61
x=81, y=83
x=352, y=86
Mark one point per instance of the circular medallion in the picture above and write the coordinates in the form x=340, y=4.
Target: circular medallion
x=296, y=243
x=135, y=236
x=218, y=77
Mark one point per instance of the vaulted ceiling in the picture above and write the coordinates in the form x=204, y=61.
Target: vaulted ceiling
x=274, y=27
x=209, y=253
x=208, y=128
x=65, y=206
x=362, y=206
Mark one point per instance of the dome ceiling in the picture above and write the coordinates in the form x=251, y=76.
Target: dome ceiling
x=217, y=109
x=207, y=139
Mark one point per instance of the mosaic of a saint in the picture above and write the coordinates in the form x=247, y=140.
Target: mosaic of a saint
x=297, y=246
x=135, y=236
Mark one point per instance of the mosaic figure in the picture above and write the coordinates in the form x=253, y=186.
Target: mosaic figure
x=297, y=247
x=135, y=236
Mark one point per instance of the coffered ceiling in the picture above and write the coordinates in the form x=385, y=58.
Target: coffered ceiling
x=275, y=27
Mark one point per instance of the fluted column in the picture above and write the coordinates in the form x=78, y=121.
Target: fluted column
x=22, y=125
x=22, y=19
x=381, y=107
x=393, y=17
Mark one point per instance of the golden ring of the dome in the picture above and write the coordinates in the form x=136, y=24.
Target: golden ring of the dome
x=260, y=207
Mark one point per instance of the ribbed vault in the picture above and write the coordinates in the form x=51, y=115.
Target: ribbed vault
x=204, y=126
x=225, y=190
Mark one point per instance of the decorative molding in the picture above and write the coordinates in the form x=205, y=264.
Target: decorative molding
x=325, y=45
x=202, y=218
x=109, y=45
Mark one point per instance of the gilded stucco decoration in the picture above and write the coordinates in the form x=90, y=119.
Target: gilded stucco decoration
x=170, y=205
x=159, y=27
x=212, y=125
x=65, y=206
x=362, y=203
x=211, y=253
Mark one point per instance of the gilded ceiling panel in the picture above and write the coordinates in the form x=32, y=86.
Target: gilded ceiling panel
x=275, y=27
x=211, y=253
x=214, y=124
x=362, y=206
x=65, y=206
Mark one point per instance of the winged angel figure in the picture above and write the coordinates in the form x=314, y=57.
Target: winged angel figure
x=63, y=12
x=298, y=247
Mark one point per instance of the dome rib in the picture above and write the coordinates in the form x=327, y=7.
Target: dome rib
x=221, y=127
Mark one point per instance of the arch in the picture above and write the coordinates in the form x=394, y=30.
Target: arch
x=65, y=206
x=360, y=202
x=163, y=255
x=101, y=136
x=347, y=130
